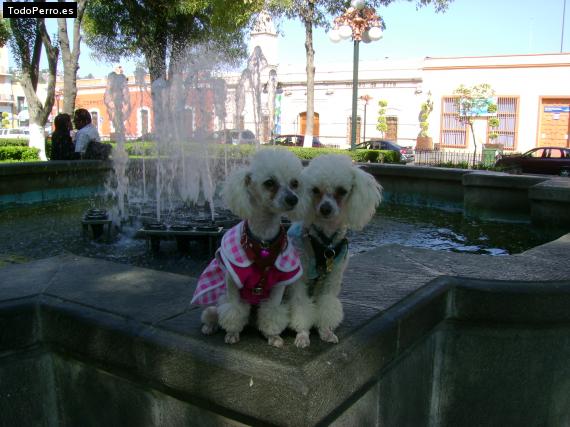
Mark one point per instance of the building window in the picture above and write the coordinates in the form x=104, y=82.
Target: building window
x=95, y=119
x=144, y=122
x=21, y=103
x=453, y=131
x=507, y=113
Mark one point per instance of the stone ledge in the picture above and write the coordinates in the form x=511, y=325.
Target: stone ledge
x=135, y=323
x=501, y=180
x=53, y=166
x=409, y=171
x=555, y=189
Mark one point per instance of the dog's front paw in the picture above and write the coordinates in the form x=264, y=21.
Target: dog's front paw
x=232, y=337
x=302, y=340
x=328, y=335
x=209, y=328
x=275, y=341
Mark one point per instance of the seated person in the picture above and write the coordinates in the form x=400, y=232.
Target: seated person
x=62, y=147
x=87, y=140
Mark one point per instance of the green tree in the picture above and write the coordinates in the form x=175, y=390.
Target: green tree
x=4, y=32
x=165, y=32
x=382, y=124
x=317, y=13
x=29, y=37
x=468, y=101
x=5, y=120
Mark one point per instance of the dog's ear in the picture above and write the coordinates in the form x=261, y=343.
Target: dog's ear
x=235, y=193
x=365, y=196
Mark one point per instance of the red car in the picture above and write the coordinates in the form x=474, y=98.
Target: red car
x=543, y=160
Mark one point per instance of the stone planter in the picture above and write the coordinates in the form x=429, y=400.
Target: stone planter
x=424, y=143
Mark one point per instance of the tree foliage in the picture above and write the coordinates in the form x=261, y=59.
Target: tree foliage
x=161, y=31
x=382, y=123
x=468, y=101
x=4, y=32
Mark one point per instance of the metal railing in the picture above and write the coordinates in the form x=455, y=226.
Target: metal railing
x=448, y=158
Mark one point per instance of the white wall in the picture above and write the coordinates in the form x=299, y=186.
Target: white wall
x=527, y=76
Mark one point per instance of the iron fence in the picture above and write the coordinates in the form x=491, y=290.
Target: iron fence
x=447, y=158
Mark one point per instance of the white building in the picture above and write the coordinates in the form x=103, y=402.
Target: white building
x=533, y=94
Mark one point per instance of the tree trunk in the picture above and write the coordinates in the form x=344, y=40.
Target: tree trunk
x=308, y=20
x=70, y=57
x=474, y=142
x=30, y=71
x=156, y=63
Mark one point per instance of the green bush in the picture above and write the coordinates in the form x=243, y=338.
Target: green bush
x=25, y=154
x=14, y=142
x=360, y=156
x=142, y=148
x=311, y=153
x=48, y=147
x=148, y=149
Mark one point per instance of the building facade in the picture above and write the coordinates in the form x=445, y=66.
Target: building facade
x=268, y=98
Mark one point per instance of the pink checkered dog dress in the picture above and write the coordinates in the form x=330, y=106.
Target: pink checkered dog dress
x=232, y=258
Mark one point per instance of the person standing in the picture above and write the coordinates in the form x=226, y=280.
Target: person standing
x=87, y=140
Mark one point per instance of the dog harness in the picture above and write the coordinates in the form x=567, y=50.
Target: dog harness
x=254, y=266
x=326, y=255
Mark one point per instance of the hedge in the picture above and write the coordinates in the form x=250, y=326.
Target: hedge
x=148, y=149
x=361, y=156
x=13, y=142
x=25, y=154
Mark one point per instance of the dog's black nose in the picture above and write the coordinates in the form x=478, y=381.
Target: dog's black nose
x=291, y=199
x=325, y=209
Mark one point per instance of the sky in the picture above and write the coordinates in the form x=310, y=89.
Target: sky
x=468, y=28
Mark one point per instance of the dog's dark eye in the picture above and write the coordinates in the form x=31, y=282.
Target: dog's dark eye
x=341, y=191
x=269, y=184
x=316, y=191
x=294, y=184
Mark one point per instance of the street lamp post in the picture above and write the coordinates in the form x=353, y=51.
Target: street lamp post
x=365, y=98
x=362, y=24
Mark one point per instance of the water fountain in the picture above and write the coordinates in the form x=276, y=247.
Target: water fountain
x=173, y=194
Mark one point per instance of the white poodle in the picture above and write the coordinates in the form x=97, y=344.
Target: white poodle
x=255, y=261
x=339, y=196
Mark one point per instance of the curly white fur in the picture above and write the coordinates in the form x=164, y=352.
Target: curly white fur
x=248, y=194
x=338, y=196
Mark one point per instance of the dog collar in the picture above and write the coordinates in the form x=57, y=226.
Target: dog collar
x=262, y=252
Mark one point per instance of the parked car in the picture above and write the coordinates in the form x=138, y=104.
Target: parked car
x=406, y=153
x=234, y=136
x=542, y=160
x=15, y=133
x=294, y=141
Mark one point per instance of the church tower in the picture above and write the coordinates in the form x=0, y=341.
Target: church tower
x=264, y=35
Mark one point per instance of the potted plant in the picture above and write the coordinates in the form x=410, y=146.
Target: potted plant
x=424, y=141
